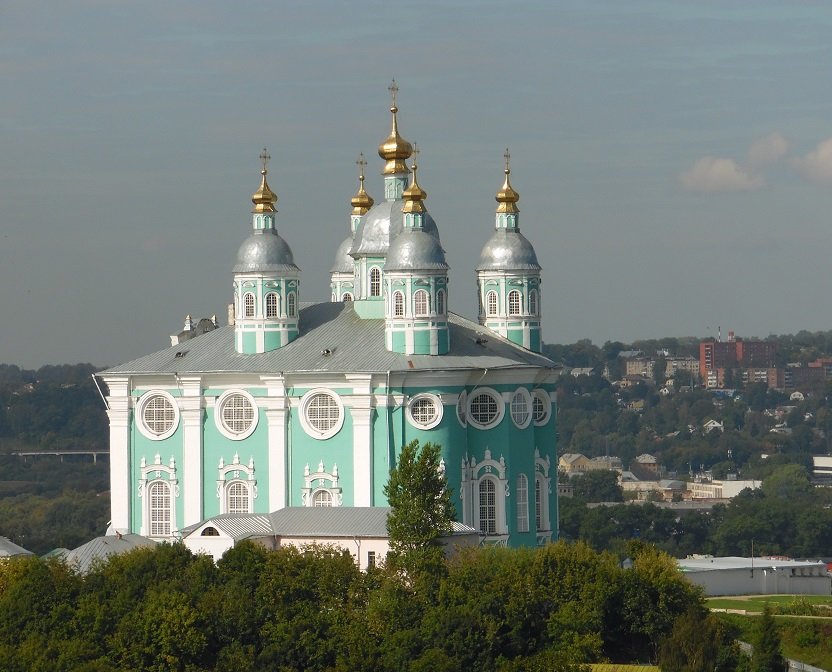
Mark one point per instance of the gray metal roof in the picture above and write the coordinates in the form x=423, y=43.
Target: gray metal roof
x=9, y=549
x=235, y=525
x=415, y=250
x=343, y=261
x=330, y=521
x=356, y=345
x=508, y=250
x=264, y=251
x=382, y=223
x=85, y=556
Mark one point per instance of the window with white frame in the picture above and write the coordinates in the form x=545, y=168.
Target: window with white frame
x=272, y=304
x=347, y=297
x=238, y=498
x=322, y=498
x=421, y=303
x=291, y=304
x=538, y=503
x=520, y=408
x=375, y=281
x=236, y=414
x=488, y=506
x=522, y=503
x=248, y=305
x=158, y=415
x=541, y=405
x=440, y=302
x=485, y=408
x=398, y=304
x=491, y=303
x=533, y=302
x=514, y=302
x=321, y=487
x=425, y=411
x=158, y=493
x=322, y=414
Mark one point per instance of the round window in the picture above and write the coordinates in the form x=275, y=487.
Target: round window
x=322, y=414
x=521, y=413
x=485, y=408
x=425, y=411
x=236, y=414
x=159, y=415
x=541, y=405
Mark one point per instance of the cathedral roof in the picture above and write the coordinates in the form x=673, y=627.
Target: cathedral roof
x=382, y=224
x=343, y=261
x=415, y=250
x=333, y=338
x=508, y=250
x=264, y=251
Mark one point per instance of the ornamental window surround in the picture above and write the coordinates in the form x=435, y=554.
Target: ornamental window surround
x=440, y=302
x=235, y=414
x=158, y=415
x=272, y=304
x=484, y=490
x=398, y=304
x=158, y=490
x=491, y=303
x=541, y=407
x=421, y=303
x=522, y=503
x=321, y=487
x=485, y=408
x=236, y=486
x=321, y=413
x=514, y=302
x=521, y=403
x=291, y=304
x=248, y=304
x=375, y=281
x=487, y=506
x=425, y=411
x=533, y=302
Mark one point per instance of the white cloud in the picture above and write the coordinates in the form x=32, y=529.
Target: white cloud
x=712, y=174
x=768, y=149
x=817, y=164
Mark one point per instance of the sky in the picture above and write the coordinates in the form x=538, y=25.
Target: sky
x=673, y=159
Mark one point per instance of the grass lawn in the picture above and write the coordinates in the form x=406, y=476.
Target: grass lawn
x=756, y=602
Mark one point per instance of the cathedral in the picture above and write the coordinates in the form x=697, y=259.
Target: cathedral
x=296, y=404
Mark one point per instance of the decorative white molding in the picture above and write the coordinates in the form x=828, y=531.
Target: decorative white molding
x=152, y=473
x=236, y=472
x=321, y=480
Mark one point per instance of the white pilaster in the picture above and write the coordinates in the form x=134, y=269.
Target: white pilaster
x=277, y=411
x=120, y=486
x=190, y=408
x=362, y=452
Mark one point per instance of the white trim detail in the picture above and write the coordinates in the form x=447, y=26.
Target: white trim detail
x=326, y=481
x=219, y=421
x=234, y=472
x=438, y=411
x=498, y=400
x=462, y=409
x=521, y=394
x=541, y=476
x=307, y=425
x=146, y=431
x=156, y=473
x=543, y=397
x=473, y=473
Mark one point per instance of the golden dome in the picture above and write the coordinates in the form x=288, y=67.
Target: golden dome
x=395, y=149
x=362, y=201
x=264, y=198
x=507, y=197
x=414, y=194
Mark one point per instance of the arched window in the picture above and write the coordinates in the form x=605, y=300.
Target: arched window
x=291, y=304
x=488, y=506
x=533, y=302
x=538, y=504
x=238, y=498
x=347, y=296
x=210, y=532
x=522, y=503
x=421, y=303
x=375, y=282
x=398, y=304
x=491, y=303
x=322, y=498
x=440, y=302
x=159, y=493
x=272, y=303
x=514, y=303
x=248, y=305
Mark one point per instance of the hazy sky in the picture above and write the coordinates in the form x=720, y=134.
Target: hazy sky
x=674, y=159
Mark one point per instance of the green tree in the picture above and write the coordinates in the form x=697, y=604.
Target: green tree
x=767, y=656
x=788, y=482
x=699, y=642
x=600, y=485
x=421, y=509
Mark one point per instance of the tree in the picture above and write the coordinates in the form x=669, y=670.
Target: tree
x=599, y=485
x=421, y=512
x=699, y=642
x=767, y=656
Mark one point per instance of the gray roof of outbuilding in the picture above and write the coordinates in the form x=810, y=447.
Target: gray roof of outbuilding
x=9, y=549
x=330, y=521
x=356, y=345
x=236, y=525
x=85, y=556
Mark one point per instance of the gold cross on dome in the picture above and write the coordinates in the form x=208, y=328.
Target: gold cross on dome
x=361, y=163
x=415, y=155
x=393, y=89
x=264, y=157
x=507, y=157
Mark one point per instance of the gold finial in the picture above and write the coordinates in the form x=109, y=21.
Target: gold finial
x=507, y=197
x=362, y=201
x=395, y=149
x=264, y=198
x=414, y=194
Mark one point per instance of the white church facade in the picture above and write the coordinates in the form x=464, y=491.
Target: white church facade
x=308, y=405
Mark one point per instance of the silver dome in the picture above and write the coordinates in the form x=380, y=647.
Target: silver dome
x=415, y=250
x=264, y=251
x=343, y=261
x=508, y=251
x=381, y=225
